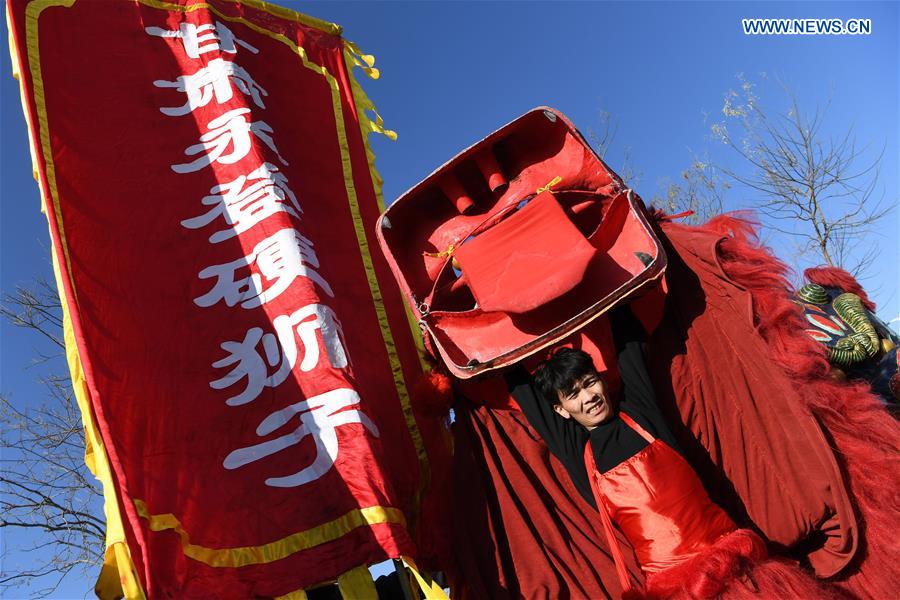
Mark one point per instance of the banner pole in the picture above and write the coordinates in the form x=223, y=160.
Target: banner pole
x=403, y=575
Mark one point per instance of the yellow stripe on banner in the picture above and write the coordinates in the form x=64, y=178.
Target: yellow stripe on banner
x=32, y=12
x=118, y=576
x=14, y=60
x=357, y=584
x=266, y=553
x=299, y=51
x=362, y=102
x=430, y=588
x=278, y=11
x=287, y=14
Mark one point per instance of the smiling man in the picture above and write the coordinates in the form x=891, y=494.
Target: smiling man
x=624, y=460
x=568, y=402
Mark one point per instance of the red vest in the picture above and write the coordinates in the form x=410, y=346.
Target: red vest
x=658, y=502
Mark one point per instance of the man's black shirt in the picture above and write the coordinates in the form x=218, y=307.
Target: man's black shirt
x=613, y=441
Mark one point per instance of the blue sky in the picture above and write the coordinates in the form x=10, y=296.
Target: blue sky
x=452, y=72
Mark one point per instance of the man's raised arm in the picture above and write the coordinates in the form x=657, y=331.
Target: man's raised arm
x=564, y=437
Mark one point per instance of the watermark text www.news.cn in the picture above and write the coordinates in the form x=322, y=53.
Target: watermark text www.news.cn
x=807, y=26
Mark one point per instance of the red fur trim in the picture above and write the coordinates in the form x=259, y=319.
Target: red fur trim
x=838, y=278
x=433, y=394
x=735, y=567
x=865, y=437
x=710, y=572
x=782, y=579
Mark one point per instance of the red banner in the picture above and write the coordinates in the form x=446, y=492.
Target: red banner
x=244, y=353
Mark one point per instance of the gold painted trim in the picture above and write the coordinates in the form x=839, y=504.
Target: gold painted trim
x=282, y=548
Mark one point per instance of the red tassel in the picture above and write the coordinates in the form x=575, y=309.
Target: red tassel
x=433, y=394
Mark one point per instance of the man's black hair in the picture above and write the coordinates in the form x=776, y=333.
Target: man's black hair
x=559, y=373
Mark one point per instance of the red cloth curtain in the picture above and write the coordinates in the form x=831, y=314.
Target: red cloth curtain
x=774, y=441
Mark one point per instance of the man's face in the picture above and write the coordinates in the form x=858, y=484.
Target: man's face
x=588, y=402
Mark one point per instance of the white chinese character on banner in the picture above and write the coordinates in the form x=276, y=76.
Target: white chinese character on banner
x=252, y=365
x=319, y=417
x=243, y=207
x=281, y=258
x=200, y=39
x=230, y=129
x=323, y=320
x=280, y=351
x=212, y=81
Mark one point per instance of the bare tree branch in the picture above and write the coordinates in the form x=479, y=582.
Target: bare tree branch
x=701, y=190
x=823, y=184
x=603, y=140
x=45, y=487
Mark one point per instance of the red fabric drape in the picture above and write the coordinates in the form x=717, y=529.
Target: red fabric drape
x=509, y=267
x=864, y=437
x=804, y=460
x=521, y=529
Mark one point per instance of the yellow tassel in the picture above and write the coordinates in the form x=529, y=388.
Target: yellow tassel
x=547, y=188
x=366, y=62
x=430, y=589
x=443, y=254
x=295, y=595
x=367, y=58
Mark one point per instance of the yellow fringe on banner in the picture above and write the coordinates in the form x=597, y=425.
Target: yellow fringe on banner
x=296, y=595
x=357, y=584
x=429, y=587
x=366, y=62
x=353, y=56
